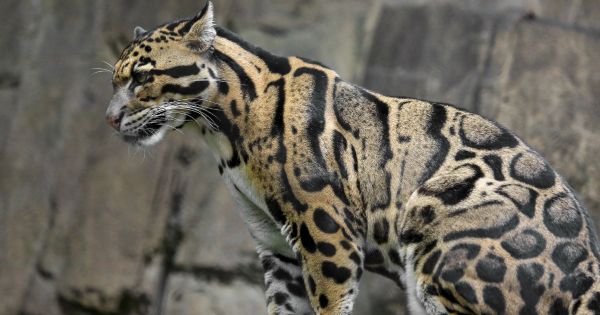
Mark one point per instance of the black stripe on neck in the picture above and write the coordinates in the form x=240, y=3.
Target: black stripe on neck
x=276, y=64
x=247, y=85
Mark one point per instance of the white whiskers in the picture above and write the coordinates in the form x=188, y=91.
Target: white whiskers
x=98, y=70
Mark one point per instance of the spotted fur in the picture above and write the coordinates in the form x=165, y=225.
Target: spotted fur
x=334, y=179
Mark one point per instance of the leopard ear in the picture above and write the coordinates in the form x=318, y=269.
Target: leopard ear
x=200, y=31
x=138, y=31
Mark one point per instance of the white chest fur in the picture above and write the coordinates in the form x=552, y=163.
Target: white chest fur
x=252, y=205
x=255, y=213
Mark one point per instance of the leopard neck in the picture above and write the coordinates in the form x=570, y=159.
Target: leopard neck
x=245, y=73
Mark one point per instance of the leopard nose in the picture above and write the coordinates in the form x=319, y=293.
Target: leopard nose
x=115, y=121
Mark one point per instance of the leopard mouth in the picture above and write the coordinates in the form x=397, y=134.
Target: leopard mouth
x=148, y=135
x=149, y=128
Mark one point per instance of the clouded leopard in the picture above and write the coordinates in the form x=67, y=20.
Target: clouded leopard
x=333, y=179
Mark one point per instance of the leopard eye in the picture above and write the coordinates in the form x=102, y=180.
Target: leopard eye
x=141, y=77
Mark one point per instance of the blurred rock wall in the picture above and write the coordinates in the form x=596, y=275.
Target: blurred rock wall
x=91, y=226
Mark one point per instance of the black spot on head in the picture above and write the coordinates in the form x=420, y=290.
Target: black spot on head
x=223, y=87
x=306, y=239
x=491, y=268
x=211, y=73
x=338, y=274
x=567, y=256
x=526, y=244
x=324, y=221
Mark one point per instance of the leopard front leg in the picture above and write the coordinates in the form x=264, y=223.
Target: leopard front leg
x=285, y=288
x=332, y=260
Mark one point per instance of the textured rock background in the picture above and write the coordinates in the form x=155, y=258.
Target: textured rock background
x=90, y=226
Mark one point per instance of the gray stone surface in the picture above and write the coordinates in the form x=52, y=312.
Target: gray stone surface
x=287, y=26
x=378, y=295
x=90, y=226
x=421, y=51
x=189, y=296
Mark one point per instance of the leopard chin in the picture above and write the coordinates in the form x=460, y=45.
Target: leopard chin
x=146, y=139
x=151, y=134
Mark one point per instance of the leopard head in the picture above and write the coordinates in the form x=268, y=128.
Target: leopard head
x=164, y=78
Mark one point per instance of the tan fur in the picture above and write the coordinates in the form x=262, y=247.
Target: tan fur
x=356, y=180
